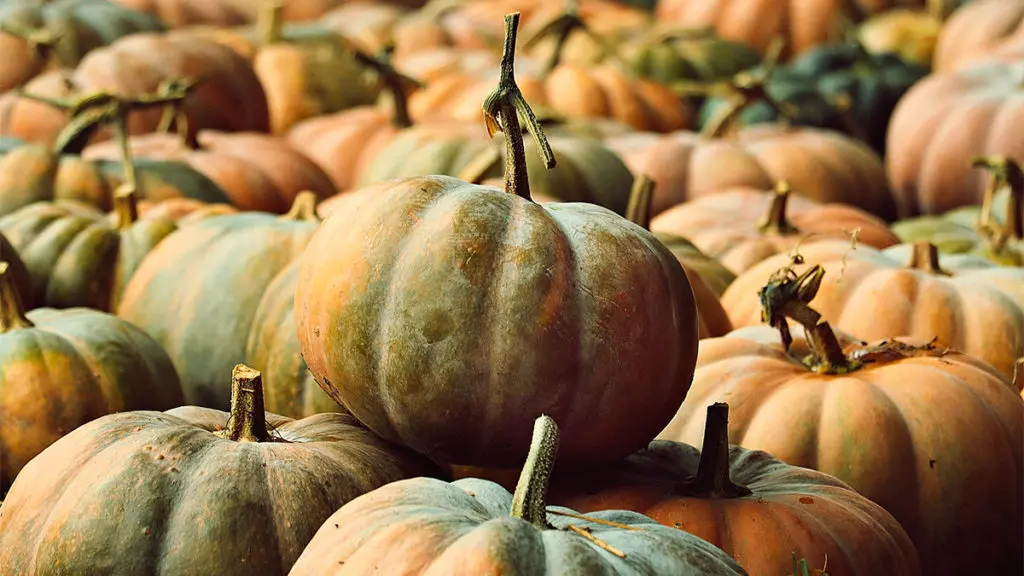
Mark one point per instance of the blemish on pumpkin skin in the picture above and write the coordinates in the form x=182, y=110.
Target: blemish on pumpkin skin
x=806, y=500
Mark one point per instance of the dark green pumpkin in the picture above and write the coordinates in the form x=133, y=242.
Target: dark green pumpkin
x=288, y=386
x=76, y=256
x=191, y=490
x=33, y=173
x=672, y=57
x=198, y=291
x=62, y=368
x=814, y=85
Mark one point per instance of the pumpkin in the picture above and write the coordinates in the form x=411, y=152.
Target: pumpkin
x=977, y=30
x=31, y=173
x=977, y=311
x=192, y=490
x=182, y=210
x=820, y=164
x=76, y=255
x=942, y=123
x=472, y=526
x=742, y=226
x=975, y=230
x=227, y=97
x=184, y=13
x=712, y=274
x=418, y=309
x=256, y=171
x=289, y=388
x=63, y=368
x=369, y=24
x=36, y=36
x=197, y=292
x=673, y=55
x=909, y=33
x=905, y=422
x=758, y=509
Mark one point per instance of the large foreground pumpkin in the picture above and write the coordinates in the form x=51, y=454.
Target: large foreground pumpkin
x=447, y=315
x=471, y=527
x=191, y=490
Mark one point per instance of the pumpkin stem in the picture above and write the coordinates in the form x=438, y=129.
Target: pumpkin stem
x=396, y=83
x=713, y=478
x=12, y=313
x=1005, y=172
x=248, y=420
x=1018, y=375
x=303, y=208
x=270, y=22
x=938, y=9
x=641, y=195
x=561, y=27
x=126, y=206
x=41, y=41
x=748, y=88
x=774, y=220
x=528, y=502
x=502, y=109
x=925, y=257
x=829, y=357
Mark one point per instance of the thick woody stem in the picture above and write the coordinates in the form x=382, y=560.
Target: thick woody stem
x=248, y=420
x=126, y=206
x=774, y=220
x=925, y=257
x=638, y=210
x=270, y=22
x=303, y=208
x=12, y=313
x=713, y=477
x=528, y=502
x=827, y=350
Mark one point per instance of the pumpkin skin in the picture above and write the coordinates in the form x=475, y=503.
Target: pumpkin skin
x=63, y=368
x=32, y=173
x=711, y=272
x=978, y=311
x=977, y=30
x=80, y=26
x=942, y=123
x=77, y=256
x=184, y=498
x=487, y=264
x=426, y=526
x=907, y=33
x=230, y=97
x=727, y=225
x=790, y=510
x=699, y=57
x=820, y=164
x=257, y=171
x=273, y=348
x=898, y=431
x=197, y=292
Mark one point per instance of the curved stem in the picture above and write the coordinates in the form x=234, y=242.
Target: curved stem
x=774, y=220
x=126, y=206
x=713, y=478
x=127, y=164
x=394, y=81
x=303, y=208
x=749, y=88
x=502, y=109
x=12, y=313
x=528, y=502
x=925, y=257
x=1018, y=375
x=248, y=420
x=1005, y=172
x=270, y=22
x=828, y=353
x=638, y=210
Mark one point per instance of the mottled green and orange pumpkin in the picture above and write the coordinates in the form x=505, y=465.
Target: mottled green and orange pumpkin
x=473, y=526
x=447, y=315
x=197, y=292
x=62, y=368
x=192, y=490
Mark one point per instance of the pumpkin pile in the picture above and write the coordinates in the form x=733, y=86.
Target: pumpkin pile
x=714, y=288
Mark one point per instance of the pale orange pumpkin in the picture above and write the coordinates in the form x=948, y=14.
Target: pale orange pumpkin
x=977, y=31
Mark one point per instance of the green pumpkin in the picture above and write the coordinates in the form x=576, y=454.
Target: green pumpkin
x=76, y=255
x=672, y=57
x=62, y=368
x=192, y=490
x=273, y=349
x=32, y=173
x=197, y=293
x=814, y=85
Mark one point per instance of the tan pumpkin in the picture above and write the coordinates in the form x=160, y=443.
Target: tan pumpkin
x=977, y=310
x=256, y=171
x=742, y=226
x=945, y=121
x=978, y=30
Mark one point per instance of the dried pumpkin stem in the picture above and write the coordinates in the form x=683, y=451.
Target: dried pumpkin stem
x=248, y=420
x=528, y=502
x=925, y=257
x=396, y=83
x=829, y=355
x=749, y=88
x=1005, y=172
x=126, y=206
x=270, y=22
x=561, y=27
x=774, y=220
x=502, y=109
x=713, y=477
x=12, y=313
x=303, y=208
x=1018, y=375
x=638, y=209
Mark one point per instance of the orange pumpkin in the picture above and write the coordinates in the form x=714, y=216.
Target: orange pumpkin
x=978, y=30
x=977, y=310
x=935, y=437
x=945, y=121
x=742, y=226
